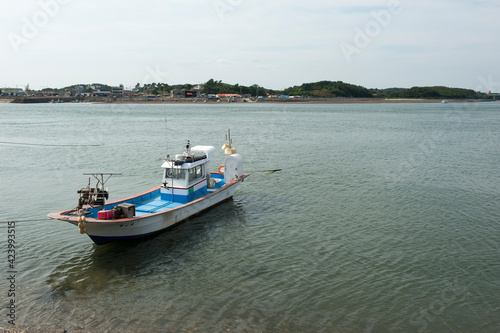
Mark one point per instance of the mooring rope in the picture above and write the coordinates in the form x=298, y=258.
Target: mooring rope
x=17, y=221
x=268, y=171
x=46, y=145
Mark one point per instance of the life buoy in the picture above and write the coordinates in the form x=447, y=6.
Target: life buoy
x=221, y=169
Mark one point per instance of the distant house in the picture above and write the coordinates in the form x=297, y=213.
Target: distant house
x=12, y=92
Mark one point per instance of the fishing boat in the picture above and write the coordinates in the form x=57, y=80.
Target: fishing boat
x=188, y=188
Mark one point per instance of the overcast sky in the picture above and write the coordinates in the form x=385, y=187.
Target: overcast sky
x=274, y=43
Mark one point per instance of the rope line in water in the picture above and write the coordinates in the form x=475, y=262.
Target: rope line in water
x=17, y=221
x=268, y=171
x=271, y=171
x=43, y=144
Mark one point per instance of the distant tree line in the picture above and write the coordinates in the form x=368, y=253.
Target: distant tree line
x=217, y=87
x=100, y=86
x=159, y=88
x=210, y=87
x=326, y=89
x=435, y=92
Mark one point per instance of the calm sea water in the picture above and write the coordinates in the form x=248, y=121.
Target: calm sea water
x=384, y=218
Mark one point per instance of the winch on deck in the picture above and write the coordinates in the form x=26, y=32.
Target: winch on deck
x=94, y=196
x=97, y=196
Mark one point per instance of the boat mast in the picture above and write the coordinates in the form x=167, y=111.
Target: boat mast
x=172, y=173
x=168, y=159
x=228, y=138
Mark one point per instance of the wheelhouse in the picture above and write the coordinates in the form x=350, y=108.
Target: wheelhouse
x=186, y=177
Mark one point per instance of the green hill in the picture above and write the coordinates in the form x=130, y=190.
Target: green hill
x=437, y=92
x=388, y=92
x=328, y=89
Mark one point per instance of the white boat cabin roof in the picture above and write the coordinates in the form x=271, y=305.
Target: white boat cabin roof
x=208, y=150
x=192, y=156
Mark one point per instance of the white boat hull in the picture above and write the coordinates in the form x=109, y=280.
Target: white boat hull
x=105, y=231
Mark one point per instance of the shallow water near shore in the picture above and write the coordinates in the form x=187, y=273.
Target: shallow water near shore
x=384, y=218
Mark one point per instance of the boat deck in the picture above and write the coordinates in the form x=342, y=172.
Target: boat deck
x=149, y=202
x=154, y=205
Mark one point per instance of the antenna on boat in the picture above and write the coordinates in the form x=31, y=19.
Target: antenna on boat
x=228, y=138
x=172, y=173
x=188, y=149
x=166, y=139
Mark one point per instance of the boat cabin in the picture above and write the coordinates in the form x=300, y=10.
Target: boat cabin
x=186, y=177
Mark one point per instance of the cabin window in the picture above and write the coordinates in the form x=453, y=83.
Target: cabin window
x=175, y=173
x=199, y=172
x=195, y=173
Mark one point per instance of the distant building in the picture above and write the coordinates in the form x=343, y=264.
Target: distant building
x=229, y=95
x=12, y=92
x=48, y=92
x=191, y=93
x=102, y=93
x=183, y=93
x=177, y=93
x=117, y=91
x=76, y=91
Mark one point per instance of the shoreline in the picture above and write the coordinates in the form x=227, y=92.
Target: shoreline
x=349, y=101
x=198, y=100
